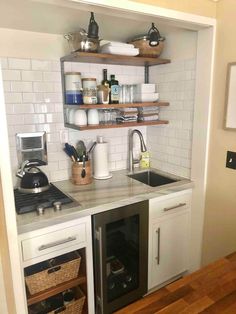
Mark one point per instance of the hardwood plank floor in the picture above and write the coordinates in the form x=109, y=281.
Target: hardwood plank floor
x=211, y=289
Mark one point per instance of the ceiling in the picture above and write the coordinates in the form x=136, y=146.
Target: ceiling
x=61, y=16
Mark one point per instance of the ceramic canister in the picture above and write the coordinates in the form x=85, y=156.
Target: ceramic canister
x=73, y=88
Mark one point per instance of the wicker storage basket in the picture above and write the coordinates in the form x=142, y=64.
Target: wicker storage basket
x=145, y=50
x=61, y=269
x=74, y=307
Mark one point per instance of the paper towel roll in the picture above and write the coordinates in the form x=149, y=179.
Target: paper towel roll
x=100, y=161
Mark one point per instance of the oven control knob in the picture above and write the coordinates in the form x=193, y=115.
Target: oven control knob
x=40, y=210
x=57, y=206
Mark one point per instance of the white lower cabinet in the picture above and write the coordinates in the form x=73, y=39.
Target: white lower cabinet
x=58, y=268
x=169, y=232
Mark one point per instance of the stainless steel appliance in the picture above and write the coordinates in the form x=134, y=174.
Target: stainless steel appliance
x=120, y=256
x=53, y=197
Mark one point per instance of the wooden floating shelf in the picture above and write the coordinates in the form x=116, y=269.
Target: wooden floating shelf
x=114, y=106
x=32, y=299
x=103, y=58
x=120, y=125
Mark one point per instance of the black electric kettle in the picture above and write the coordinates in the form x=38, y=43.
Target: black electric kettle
x=33, y=180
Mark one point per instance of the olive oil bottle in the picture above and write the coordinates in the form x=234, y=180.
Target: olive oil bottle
x=114, y=90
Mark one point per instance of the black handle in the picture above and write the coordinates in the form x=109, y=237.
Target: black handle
x=35, y=162
x=61, y=309
x=54, y=269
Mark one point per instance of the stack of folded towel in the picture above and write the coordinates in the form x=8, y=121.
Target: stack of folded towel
x=148, y=113
x=127, y=115
x=119, y=48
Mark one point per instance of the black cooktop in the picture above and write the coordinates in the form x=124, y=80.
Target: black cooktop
x=29, y=202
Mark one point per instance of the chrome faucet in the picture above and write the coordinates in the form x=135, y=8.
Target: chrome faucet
x=133, y=161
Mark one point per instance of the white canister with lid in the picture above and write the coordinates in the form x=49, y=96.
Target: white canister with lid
x=90, y=83
x=73, y=88
x=89, y=90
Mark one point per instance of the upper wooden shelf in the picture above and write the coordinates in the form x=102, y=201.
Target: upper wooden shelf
x=102, y=58
x=113, y=106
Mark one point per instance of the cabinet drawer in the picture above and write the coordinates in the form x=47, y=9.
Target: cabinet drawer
x=170, y=205
x=53, y=241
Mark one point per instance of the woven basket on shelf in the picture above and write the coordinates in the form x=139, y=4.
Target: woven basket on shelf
x=53, y=276
x=74, y=307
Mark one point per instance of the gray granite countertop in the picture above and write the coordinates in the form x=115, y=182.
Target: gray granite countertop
x=100, y=195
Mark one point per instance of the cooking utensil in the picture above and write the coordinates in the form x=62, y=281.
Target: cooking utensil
x=92, y=148
x=83, y=172
x=80, y=148
x=33, y=180
x=80, y=41
x=71, y=152
x=145, y=50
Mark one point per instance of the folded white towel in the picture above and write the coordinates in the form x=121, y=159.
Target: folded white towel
x=118, y=44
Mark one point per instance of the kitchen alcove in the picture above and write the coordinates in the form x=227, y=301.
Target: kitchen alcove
x=41, y=38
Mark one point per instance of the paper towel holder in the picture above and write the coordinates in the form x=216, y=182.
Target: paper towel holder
x=100, y=172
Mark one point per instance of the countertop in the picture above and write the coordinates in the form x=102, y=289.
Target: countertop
x=100, y=195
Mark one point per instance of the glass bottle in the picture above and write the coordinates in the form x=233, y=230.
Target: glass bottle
x=114, y=90
x=105, y=81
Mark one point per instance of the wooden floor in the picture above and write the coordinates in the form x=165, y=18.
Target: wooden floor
x=212, y=289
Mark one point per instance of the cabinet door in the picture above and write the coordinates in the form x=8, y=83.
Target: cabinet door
x=170, y=247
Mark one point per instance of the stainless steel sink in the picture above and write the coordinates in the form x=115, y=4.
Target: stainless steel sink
x=151, y=178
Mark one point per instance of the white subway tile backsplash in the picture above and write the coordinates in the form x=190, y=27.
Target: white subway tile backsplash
x=19, y=64
x=52, y=76
x=13, y=98
x=15, y=119
x=41, y=65
x=41, y=109
x=34, y=118
x=4, y=63
x=23, y=108
x=21, y=86
x=11, y=75
x=33, y=76
x=44, y=108
x=7, y=86
x=171, y=144
x=43, y=87
x=33, y=97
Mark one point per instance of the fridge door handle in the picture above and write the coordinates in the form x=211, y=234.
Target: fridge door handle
x=158, y=232
x=99, y=239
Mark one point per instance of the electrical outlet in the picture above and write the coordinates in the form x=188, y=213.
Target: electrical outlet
x=64, y=136
x=231, y=160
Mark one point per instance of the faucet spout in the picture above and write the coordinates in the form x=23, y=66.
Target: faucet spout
x=143, y=148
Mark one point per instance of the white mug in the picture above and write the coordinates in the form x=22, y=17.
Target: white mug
x=71, y=116
x=93, y=117
x=80, y=117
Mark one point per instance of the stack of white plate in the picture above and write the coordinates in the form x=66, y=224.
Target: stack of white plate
x=145, y=93
x=119, y=48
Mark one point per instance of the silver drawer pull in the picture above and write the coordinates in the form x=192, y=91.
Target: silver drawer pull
x=173, y=207
x=52, y=244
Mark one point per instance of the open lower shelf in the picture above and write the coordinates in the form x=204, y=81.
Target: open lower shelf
x=38, y=297
x=114, y=106
x=105, y=58
x=120, y=125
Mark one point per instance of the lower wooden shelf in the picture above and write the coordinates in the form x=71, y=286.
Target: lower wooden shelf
x=110, y=126
x=32, y=299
